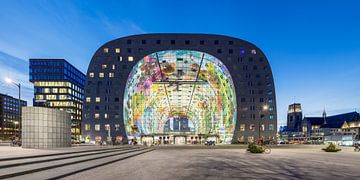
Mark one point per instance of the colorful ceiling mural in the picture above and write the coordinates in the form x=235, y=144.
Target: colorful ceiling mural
x=180, y=84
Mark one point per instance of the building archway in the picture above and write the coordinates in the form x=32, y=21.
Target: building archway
x=180, y=85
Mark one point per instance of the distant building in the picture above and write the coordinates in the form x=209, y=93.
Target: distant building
x=294, y=117
x=342, y=129
x=9, y=116
x=60, y=85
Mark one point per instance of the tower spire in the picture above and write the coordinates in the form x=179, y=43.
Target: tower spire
x=324, y=115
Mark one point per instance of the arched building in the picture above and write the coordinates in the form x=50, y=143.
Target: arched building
x=179, y=88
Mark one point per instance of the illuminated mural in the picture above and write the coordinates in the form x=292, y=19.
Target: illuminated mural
x=180, y=91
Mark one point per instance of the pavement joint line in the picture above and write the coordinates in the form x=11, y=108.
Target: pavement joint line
x=99, y=165
x=55, y=154
x=62, y=158
x=64, y=164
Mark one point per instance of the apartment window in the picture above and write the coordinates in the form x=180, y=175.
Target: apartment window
x=231, y=42
x=242, y=127
x=101, y=75
x=117, y=127
x=117, y=50
x=261, y=100
x=172, y=42
x=97, y=99
x=96, y=115
x=250, y=138
x=130, y=58
x=97, y=127
x=271, y=116
x=216, y=42
x=187, y=42
x=270, y=100
x=128, y=41
x=87, y=127
x=202, y=42
x=158, y=42
x=119, y=58
x=91, y=74
x=242, y=51
x=219, y=51
x=111, y=75
x=271, y=108
x=231, y=51
x=106, y=116
x=104, y=66
x=263, y=127
x=271, y=127
x=143, y=41
x=106, y=50
x=269, y=92
x=252, y=127
x=253, y=51
x=107, y=127
x=113, y=66
x=88, y=99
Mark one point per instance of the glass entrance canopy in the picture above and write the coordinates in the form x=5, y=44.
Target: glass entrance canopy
x=180, y=92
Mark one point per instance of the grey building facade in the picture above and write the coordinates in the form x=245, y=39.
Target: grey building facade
x=113, y=62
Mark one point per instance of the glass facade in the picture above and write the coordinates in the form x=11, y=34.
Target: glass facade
x=9, y=117
x=60, y=85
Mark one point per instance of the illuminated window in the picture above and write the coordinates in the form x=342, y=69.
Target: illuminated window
x=111, y=75
x=88, y=99
x=113, y=66
x=87, y=127
x=55, y=90
x=271, y=116
x=269, y=92
x=271, y=127
x=119, y=58
x=271, y=108
x=106, y=50
x=104, y=66
x=263, y=127
x=96, y=115
x=117, y=50
x=253, y=51
x=242, y=127
x=46, y=90
x=101, y=75
x=130, y=58
x=242, y=51
x=91, y=74
x=117, y=127
x=106, y=116
x=250, y=138
x=39, y=97
x=97, y=99
x=270, y=100
x=107, y=127
x=252, y=127
x=97, y=127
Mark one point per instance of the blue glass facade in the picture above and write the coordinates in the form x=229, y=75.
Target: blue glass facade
x=60, y=85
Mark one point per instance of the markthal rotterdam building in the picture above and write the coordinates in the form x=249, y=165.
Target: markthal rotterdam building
x=179, y=89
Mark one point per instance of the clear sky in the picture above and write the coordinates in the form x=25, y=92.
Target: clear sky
x=313, y=46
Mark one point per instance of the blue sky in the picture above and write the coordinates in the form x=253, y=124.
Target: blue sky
x=313, y=46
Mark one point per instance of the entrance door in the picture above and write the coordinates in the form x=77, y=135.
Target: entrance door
x=180, y=140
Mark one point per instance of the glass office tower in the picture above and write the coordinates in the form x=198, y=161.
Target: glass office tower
x=60, y=85
x=9, y=117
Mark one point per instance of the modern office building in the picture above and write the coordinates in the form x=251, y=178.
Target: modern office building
x=60, y=85
x=179, y=88
x=10, y=119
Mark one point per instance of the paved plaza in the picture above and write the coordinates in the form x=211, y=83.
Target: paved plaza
x=178, y=162
x=283, y=163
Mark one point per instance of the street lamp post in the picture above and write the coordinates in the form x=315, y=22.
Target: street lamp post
x=9, y=81
x=263, y=108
